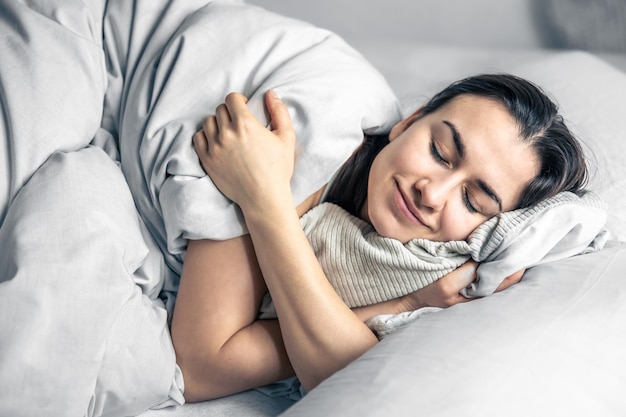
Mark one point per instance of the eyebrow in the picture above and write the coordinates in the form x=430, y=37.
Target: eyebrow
x=490, y=193
x=460, y=149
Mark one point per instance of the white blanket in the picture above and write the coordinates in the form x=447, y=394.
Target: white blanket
x=83, y=330
x=52, y=82
x=185, y=69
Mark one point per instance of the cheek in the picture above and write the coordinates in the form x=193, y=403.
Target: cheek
x=457, y=224
x=374, y=194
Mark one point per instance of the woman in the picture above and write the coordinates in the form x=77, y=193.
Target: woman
x=483, y=145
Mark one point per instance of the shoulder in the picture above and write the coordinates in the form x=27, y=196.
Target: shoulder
x=311, y=201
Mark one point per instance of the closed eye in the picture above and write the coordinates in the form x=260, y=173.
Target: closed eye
x=437, y=155
x=468, y=202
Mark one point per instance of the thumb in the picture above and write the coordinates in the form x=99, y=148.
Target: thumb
x=464, y=276
x=279, y=115
x=467, y=274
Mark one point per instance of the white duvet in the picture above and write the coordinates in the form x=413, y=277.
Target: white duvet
x=100, y=187
x=190, y=58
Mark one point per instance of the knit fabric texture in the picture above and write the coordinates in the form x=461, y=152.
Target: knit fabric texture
x=366, y=268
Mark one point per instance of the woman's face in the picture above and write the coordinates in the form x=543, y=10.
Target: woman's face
x=444, y=174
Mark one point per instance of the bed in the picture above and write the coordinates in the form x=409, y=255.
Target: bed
x=100, y=188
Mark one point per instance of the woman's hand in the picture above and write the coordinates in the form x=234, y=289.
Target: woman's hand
x=249, y=163
x=445, y=292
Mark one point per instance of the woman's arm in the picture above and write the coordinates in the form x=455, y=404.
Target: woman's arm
x=321, y=334
x=445, y=292
x=220, y=346
x=442, y=293
x=253, y=166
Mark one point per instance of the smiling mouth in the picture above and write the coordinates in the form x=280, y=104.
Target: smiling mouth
x=407, y=208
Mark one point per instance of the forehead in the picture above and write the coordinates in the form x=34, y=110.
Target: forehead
x=494, y=150
x=484, y=110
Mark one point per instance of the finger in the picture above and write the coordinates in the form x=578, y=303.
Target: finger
x=222, y=117
x=458, y=280
x=511, y=280
x=237, y=104
x=200, y=143
x=209, y=125
x=279, y=114
x=465, y=275
x=458, y=298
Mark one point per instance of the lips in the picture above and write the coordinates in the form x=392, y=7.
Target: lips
x=408, y=208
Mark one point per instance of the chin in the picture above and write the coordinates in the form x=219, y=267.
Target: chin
x=383, y=229
x=393, y=233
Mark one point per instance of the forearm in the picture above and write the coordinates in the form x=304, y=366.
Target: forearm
x=394, y=306
x=321, y=334
x=253, y=166
x=220, y=346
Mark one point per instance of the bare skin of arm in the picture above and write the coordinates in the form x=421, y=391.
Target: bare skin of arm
x=221, y=347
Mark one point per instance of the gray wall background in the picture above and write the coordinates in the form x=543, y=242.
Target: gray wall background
x=598, y=25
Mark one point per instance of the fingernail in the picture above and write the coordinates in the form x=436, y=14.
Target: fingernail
x=273, y=94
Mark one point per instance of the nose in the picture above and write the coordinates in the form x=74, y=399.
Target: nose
x=435, y=193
